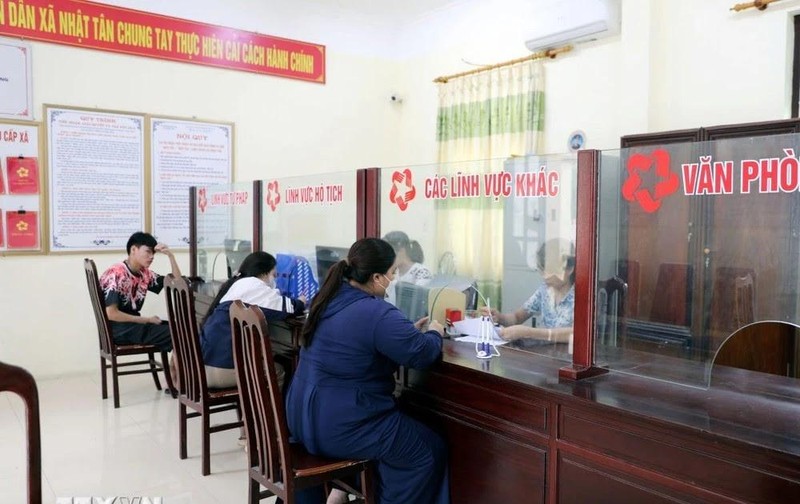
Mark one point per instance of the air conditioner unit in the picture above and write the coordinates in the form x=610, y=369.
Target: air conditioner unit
x=564, y=22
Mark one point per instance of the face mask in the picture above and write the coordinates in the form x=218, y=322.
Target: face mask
x=270, y=282
x=385, y=288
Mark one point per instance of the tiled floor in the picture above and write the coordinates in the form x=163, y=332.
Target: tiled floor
x=91, y=449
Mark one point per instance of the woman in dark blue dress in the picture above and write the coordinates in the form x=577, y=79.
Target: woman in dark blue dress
x=340, y=401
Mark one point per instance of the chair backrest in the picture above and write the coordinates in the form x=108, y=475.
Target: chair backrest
x=185, y=338
x=731, y=299
x=744, y=300
x=98, y=306
x=17, y=380
x=261, y=398
x=614, y=291
x=673, y=301
x=766, y=347
x=446, y=265
x=628, y=272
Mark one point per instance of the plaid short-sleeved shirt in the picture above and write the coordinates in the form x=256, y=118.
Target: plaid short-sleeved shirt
x=552, y=314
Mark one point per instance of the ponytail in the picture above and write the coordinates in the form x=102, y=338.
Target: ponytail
x=254, y=265
x=366, y=257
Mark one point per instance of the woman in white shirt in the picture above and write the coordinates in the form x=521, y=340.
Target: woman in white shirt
x=409, y=263
x=253, y=284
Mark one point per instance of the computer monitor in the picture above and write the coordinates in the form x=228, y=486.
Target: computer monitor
x=431, y=299
x=235, y=253
x=327, y=257
x=412, y=300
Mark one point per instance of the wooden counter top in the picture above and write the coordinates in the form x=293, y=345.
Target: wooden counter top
x=743, y=406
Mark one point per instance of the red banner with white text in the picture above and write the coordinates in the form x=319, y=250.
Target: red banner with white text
x=116, y=29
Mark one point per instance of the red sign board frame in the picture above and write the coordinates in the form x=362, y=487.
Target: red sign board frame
x=116, y=29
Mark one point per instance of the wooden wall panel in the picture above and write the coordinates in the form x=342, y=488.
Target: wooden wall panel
x=581, y=482
x=485, y=465
x=674, y=458
x=518, y=413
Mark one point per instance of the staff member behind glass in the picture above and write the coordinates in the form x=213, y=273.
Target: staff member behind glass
x=340, y=401
x=409, y=259
x=553, y=300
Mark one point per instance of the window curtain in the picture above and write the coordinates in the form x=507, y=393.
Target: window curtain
x=483, y=119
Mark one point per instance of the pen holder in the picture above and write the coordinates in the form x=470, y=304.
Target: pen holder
x=484, y=349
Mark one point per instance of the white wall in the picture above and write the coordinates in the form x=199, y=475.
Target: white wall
x=676, y=64
x=713, y=66
x=282, y=127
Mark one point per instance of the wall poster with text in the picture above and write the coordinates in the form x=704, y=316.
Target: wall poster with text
x=16, y=86
x=96, y=164
x=183, y=154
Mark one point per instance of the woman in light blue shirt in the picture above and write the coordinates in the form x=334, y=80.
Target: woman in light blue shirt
x=553, y=300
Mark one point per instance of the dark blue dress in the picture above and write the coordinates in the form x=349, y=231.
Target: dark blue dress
x=340, y=401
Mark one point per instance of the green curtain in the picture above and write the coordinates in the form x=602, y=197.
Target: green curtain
x=483, y=119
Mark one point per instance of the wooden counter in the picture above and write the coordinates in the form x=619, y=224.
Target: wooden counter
x=519, y=435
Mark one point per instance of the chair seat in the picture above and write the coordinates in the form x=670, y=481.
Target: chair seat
x=134, y=349
x=223, y=393
x=306, y=464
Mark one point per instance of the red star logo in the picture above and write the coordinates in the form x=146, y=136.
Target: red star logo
x=273, y=195
x=650, y=201
x=202, y=202
x=403, y=189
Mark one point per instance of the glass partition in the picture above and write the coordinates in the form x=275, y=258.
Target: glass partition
x=313, y=217
x=224, y=229
x=497, y=233
x=698, y=252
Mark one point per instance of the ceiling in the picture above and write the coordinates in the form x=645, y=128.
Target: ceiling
x=383, y=12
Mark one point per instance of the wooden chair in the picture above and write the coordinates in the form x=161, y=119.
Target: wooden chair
x=613, y=293
x=744, y=311
x=731, y=300
x=110, y=351
x=280, y=466
x=17, y=380
x=628, y=272
x=193, y=391
x=673, y=303
x=766, y=347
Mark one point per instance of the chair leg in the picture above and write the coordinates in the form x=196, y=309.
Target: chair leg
x=367, y=478
x=253, y=490
x=182, y=430
x=103, y=379
x=168, y=375
x=206, y=417
x=115, y=380
x=155, y=370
